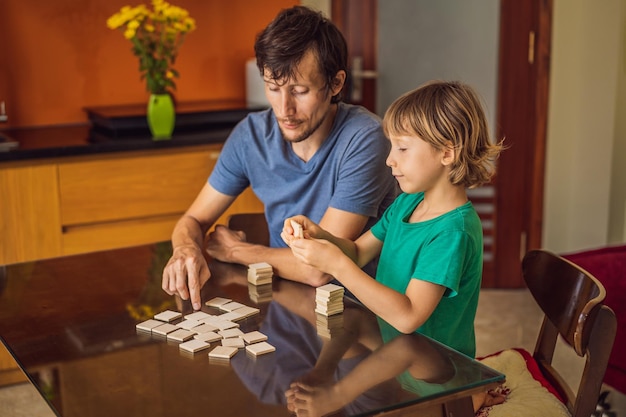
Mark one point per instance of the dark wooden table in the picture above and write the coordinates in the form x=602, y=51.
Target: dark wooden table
x=70, y=325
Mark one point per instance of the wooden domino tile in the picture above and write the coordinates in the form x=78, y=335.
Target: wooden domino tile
x=234, y=342
x=168, y=316
x=223, y=352
x=260, y=348
x=148, y=325
x=254, y=337
x=181, y=335
x=194, y=345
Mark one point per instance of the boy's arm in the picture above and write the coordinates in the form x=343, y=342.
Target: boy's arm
x=228, y=246
x=406, y=312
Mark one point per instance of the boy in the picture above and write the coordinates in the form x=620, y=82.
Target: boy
x=430, y=239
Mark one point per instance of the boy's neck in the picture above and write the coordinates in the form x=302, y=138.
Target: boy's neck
x=439, y=201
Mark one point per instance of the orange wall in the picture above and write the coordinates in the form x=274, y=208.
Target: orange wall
x=58, y=56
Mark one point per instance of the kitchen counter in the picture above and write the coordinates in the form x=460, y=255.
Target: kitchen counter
x=122, y=129
x=107, y=184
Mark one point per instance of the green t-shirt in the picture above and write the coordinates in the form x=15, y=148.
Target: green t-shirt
x=446, y=250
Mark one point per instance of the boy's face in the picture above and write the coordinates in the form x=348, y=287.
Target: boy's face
x=416, y=164
x=302, y=104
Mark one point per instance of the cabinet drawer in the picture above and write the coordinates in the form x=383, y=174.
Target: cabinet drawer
x=132, y=187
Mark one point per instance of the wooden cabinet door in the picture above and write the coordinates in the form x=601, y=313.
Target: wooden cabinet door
x=136, y=185
x=29, y=213
x=133, y=199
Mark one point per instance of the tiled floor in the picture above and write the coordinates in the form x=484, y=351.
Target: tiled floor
x=506, y=318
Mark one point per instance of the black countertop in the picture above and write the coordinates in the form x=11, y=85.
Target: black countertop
x=122, y=129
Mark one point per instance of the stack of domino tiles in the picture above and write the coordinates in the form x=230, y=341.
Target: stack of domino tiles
x=329, y=327
x=260, y=293
x=329, y=299
x=260, y=273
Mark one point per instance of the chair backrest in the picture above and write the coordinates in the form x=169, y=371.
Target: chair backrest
x=253, y=225
x=572, y=302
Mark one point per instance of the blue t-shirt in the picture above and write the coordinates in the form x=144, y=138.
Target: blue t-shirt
x=446, y=250
x=348, y=172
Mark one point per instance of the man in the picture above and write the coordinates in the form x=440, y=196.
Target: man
x=309, y=153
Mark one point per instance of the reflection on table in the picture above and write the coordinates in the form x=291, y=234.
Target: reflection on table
x=70, y=324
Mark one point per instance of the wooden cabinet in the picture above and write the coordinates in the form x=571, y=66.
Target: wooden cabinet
x=29, y=212
x=81, y=204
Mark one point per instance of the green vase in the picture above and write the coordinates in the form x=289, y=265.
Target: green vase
x=161, y=116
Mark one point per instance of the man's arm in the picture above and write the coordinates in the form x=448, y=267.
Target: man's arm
x=187, y=270
x=227, y=246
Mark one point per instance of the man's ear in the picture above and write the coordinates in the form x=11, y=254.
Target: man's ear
x=338, y=82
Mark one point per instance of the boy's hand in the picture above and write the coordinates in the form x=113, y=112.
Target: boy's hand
x=298, y=227
x=318, y=253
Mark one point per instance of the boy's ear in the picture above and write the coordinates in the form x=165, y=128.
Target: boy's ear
x=449, y=155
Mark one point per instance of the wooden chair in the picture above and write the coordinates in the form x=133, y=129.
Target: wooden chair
x=572, y=302
x=608, y=264
x=253, y=225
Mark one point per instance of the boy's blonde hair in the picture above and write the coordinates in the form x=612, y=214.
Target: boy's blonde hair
x=447, y=114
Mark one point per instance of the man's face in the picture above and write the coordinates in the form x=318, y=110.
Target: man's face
x=301, y=104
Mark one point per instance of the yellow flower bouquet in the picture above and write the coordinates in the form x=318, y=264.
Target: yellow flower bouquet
x=156, y=35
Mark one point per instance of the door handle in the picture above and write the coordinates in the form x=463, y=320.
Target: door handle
x=358, y=75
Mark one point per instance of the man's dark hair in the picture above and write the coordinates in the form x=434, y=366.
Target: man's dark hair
x=280, y=47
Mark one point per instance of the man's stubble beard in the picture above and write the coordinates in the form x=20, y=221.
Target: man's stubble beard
x=307, y=133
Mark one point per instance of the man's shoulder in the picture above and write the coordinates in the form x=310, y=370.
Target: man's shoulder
x=256, y=124
x=356, y=126
x=352, y=113
x=259, y=117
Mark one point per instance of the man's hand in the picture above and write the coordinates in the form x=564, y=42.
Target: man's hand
x=185, y=274
x=222, y=242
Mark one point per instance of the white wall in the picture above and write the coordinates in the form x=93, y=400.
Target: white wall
x=323, y=6
x=617, y=209
x=586, y=55
x=421, y=40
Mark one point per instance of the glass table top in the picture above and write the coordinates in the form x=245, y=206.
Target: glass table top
x=70, y=323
